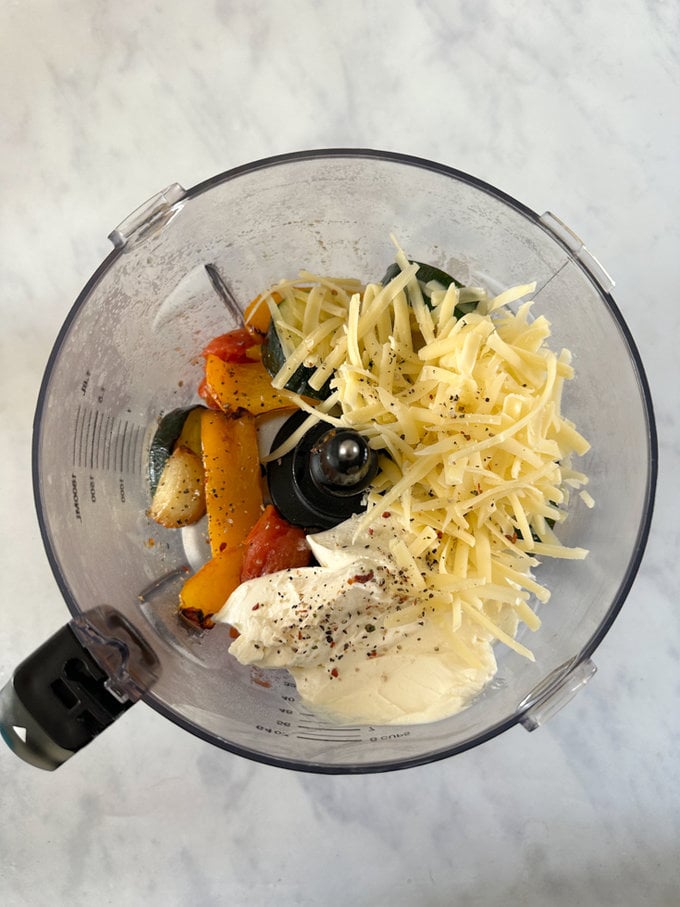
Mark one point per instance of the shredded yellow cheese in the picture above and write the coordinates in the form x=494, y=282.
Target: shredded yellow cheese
x=466, y=415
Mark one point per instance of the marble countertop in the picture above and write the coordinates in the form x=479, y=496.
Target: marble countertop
x=571, y=109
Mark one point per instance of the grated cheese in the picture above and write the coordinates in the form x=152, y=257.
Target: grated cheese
x=466, y=415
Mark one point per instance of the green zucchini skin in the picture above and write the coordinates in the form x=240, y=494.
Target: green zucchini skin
x=168, y=431
x=518, y=532
x=425, y=274
x=273, y=358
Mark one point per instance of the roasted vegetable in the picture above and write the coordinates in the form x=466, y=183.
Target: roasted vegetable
x=190, y=436
x=235, y=346
x=179, y=499
x=207, y=590
x=232, y=477
x=165, y=439
x=428, y=274
x=257, y=315
x=276, y=350
x=273, y=357
x=274, y=544
x=243, y=385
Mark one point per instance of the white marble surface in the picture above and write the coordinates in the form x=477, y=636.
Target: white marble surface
x=571, y=107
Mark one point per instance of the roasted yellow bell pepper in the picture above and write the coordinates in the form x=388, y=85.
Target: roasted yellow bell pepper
x=204, y=593
x=243, y=385
x=233, y=490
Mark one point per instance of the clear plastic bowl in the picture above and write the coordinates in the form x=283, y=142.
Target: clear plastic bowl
x=128, y=351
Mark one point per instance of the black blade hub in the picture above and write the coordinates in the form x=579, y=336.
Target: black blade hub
x=321, y=482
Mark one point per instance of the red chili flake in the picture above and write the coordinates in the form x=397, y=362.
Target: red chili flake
x=258, y=677
x=386, y=514
x=223, y=545
x=334, y=672
x=361, y=578
x=233, y=633
x=255, y=606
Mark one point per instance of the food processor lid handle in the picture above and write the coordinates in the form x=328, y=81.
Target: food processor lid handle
x=74, y=686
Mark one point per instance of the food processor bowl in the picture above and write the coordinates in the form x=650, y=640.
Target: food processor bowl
x=183, y=267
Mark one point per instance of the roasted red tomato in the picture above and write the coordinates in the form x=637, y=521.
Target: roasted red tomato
x=233, y=347
x=273, y=544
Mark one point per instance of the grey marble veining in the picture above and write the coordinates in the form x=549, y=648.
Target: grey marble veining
x=571, y=108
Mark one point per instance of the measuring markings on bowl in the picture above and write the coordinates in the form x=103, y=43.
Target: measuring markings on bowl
x=311, y=729
x=105, y=442
x=294, y=720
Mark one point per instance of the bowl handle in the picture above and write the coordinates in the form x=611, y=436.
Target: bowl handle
x=76, y=684
x=555, y=691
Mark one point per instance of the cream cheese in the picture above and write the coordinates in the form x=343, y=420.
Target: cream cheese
x=336, y=627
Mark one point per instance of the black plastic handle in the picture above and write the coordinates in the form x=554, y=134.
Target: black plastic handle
x=74, y=686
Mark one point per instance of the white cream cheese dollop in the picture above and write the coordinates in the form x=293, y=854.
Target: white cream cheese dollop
x=337, y=628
